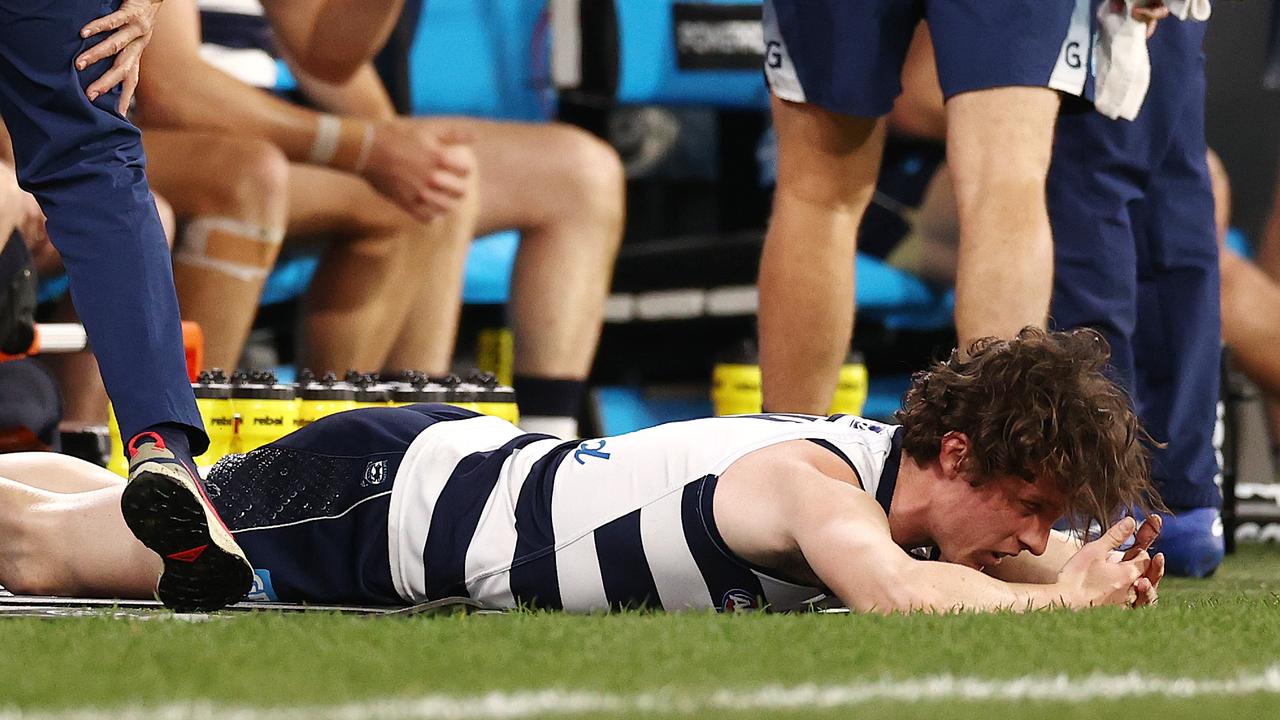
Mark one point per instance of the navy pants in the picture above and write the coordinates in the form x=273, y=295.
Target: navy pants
x=84, y=163
x=1136, y=258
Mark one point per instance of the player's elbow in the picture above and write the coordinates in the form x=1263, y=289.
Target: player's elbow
x=328, y=65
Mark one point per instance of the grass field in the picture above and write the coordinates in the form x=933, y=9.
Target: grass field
x=1210, y=649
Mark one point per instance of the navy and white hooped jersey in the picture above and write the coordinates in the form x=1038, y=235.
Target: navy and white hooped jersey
x=479, y=508
x=237, y=39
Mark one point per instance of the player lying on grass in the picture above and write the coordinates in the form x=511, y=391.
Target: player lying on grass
x=398, y=506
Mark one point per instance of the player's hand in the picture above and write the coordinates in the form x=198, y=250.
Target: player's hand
x=1151, y=14
x=132, y=24
x=425, y=171
x=1090, y=578
x=1146, y=590
x=11, y=203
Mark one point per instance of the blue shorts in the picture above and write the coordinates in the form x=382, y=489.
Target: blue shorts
x=310, y=510
x=846, y=56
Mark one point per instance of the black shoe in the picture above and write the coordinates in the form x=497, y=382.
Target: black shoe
x=166, y=508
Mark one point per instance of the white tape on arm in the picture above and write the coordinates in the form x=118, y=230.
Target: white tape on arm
x=328, y=134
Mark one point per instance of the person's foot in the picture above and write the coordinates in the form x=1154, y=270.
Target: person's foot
x=1192, y=542
x=166, y=508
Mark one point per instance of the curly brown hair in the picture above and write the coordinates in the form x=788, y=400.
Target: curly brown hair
x=1038, y=406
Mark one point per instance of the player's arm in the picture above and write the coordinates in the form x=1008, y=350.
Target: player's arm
x=845, y=539
x=332, y=39
x=362, y=95
x=180, y=89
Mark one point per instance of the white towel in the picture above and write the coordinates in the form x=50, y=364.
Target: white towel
x=1123, y=65
x=1194, y=9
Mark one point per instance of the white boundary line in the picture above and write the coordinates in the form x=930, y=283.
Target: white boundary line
x=534, y=703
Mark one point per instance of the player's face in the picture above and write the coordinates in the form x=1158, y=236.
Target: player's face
x=999, y=518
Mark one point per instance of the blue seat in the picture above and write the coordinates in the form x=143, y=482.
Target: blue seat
x=487, y=281
x=648, y=71
x=483, y=58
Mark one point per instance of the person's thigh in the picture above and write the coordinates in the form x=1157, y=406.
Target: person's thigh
x=983, y=44
x=532, y=174
x=842, y=56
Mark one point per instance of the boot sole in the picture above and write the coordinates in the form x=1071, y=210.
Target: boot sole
x=204, y=568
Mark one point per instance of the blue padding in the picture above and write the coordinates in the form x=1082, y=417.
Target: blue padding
x=52, y=288
x=489, y=265
x=478, y=57
x=884, y=396
x=899, y=299
x=625, y=408
x=648, y=71
x=488, y=273
x=1237, y=241
x=289, y=279
x=285, y=81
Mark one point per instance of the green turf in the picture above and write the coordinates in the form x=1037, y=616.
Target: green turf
x=1203, y=629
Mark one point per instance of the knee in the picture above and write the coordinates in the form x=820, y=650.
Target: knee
x=254, y=179
x=593, y=170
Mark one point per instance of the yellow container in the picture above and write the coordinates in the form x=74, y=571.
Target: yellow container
x=217, y=410
x=735, y=388
x=117, y=464
x=494, y=399
x=465, y=395
x=319, y=400
x=851, y=389
x=423, y=391
x=495, y=353
x=266, y=411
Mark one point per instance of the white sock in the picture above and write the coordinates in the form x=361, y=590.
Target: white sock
x=557, y=425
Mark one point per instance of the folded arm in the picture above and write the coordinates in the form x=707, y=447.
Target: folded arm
x=845, y=539
x=179, y=88
x=331, y=39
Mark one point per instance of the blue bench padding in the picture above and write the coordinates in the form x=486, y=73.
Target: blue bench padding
x=487, y=281
x=52, y=288
x=649, y=74
x=627, y=408
x=1237, y=241
x=477, y=57
x=899, y=299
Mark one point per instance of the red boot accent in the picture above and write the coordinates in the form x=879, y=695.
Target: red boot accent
x=153, y=437
x=189, y=556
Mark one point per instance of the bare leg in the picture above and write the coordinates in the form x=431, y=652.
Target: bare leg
x=232, y=194
x=57, y=473
x=563, y=190
x=827, y=167
x=70, y=544
x=382, y=265
x=999, y=142
x=1269, y=248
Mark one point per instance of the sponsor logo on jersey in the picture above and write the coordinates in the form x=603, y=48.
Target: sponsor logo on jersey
x=262, y=590
x=739, y=601
x=591, y=449
x=375, y=473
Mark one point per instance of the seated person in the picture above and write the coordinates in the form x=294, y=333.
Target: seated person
x=399, y=506
x=404, y=196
